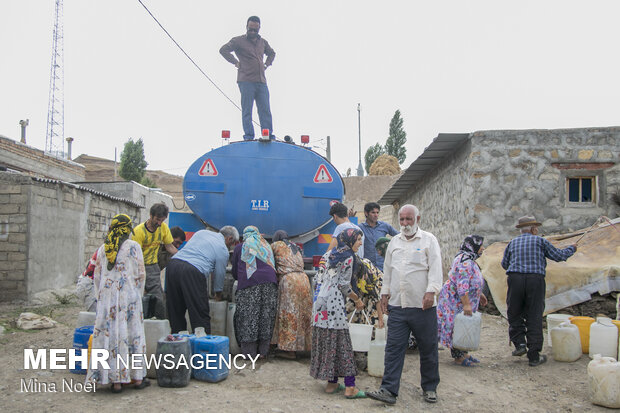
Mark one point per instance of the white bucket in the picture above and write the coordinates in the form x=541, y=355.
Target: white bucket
x=554, y=320
x=85, y=318
x=360, y=333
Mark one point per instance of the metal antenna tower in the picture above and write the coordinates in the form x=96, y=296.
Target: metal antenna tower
x=55, y=136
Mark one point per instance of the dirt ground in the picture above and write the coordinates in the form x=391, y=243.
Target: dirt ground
x=500, y=383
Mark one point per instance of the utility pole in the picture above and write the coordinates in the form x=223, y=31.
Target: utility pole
x=328, y=151
x=56, y=102
x=360, y=169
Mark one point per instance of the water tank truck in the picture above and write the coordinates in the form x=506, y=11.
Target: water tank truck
x=267, y=183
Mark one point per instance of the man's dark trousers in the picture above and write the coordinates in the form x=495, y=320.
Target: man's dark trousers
x=526, y=303
x=186, y=289
x=423, y=324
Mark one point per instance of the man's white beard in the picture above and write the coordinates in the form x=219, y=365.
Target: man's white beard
x=409, y=230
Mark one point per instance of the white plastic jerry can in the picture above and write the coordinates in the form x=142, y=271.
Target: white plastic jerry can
x=604, y=381
x=566, y=342
x=603, y=338
x=376, y=353
x=466, y=333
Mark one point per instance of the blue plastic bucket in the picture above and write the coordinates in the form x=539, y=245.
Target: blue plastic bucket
x=80, y=343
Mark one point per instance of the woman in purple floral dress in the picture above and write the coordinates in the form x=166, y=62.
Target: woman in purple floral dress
x=462, y=292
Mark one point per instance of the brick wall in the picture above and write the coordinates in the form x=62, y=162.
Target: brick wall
x=20, y=157
x=13, y=238
x=48, y=230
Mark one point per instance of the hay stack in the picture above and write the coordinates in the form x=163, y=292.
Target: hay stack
x=385, y=165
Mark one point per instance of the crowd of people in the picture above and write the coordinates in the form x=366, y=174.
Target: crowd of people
x=362, y=276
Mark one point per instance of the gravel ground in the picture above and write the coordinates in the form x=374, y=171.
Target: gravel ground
x=500, y=383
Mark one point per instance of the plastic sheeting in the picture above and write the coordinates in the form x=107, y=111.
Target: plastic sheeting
x=594, y=268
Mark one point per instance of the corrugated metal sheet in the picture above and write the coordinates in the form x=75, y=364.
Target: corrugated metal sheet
x=443, y=145
x=83, y=188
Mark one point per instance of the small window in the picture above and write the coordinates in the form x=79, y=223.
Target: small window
x=143, y=200
x=580, y=189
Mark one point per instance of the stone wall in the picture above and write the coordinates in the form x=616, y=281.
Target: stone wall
x=498, y=176
x=23, y=158
x=516, y=173
x=48, y=230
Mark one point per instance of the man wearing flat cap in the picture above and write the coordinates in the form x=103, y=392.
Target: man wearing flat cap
x=525, y=260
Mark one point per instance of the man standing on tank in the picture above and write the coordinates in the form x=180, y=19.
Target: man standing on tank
x=249, y=50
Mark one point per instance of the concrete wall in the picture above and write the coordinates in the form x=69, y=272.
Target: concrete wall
x=23, y=158
x=48, y=230
x=135, y=192
x=498, y=176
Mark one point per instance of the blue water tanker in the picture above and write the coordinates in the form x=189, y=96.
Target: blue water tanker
x=272, y=185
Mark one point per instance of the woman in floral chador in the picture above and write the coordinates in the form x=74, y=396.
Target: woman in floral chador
x=462, y=292
x=119, y=325
x=292, y=331
x=332, y=351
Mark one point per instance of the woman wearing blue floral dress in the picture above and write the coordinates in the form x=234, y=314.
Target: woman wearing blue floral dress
x=332, y=351
x=119, y=324
x=462, y=292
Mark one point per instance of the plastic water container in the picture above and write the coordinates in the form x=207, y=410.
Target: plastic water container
x=85, y=318
x=360, y=333
x=230, y=329
x=583, y=324
x=217, y=311
x=81, y=336
x=175, y=377
x=376, y=353
x=233, y=296
x=154, y=330
x=214, y=367
x=554, y=320
x=617, y=324
x=603, y=338
x=604, y=381
x=566, y=343
x=466, y=333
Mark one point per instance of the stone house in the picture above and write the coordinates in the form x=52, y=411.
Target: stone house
x=481, y=182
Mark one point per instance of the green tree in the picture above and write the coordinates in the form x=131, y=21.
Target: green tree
x=395, y=144
x=133, y=163
x=372, y=153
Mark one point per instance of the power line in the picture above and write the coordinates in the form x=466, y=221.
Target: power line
x=190, y=59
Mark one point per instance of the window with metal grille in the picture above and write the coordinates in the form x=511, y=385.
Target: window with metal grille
x=581, y=189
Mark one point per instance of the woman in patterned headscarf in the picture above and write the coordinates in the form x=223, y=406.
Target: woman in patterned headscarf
x=118, y=280
x=332, y=351
x=462, y=292
x=253, y=267
x=292, y=330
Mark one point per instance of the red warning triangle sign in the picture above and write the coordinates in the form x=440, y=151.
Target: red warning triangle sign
x=208, y=168
x=322, y=176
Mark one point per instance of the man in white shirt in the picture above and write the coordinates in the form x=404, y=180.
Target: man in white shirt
x=412, y=276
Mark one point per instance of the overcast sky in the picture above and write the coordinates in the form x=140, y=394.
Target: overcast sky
x=448, y=66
